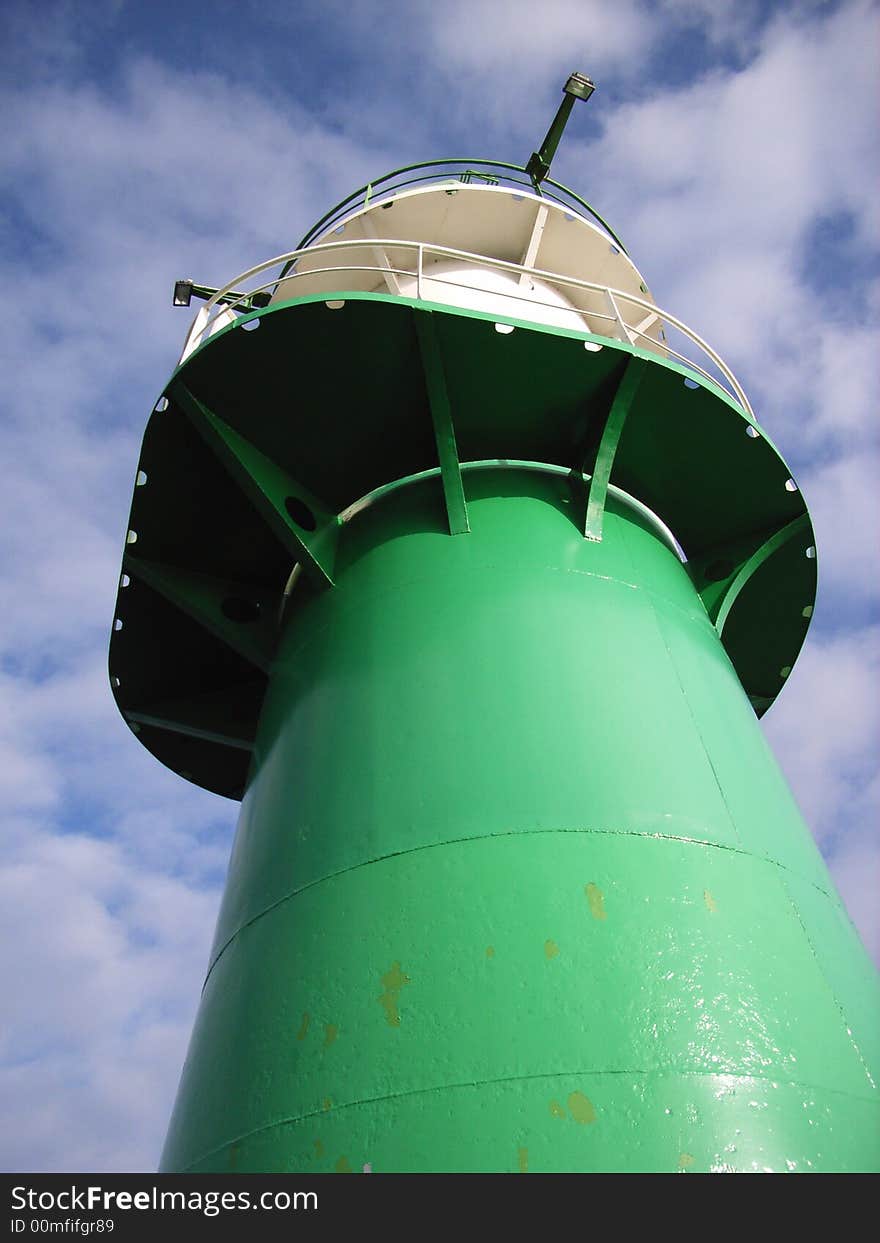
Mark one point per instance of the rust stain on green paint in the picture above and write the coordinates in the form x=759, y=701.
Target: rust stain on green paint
x=490, y=951
x=523, y=1158
x=711, y=904
x=596, y=899
x=342, y=1166
x=303, y=1027
x=326, y=1103
x=331, y=1031
x=556, y=1109
x=319, y=1148
x=581, y=1108
x=551, y=949
x=392, y=982
x=233, y=1154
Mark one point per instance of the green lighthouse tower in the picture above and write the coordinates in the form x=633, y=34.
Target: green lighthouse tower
x=469, y=571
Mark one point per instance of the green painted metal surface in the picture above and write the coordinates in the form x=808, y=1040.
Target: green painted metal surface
x=517, y=884
x=500, y=886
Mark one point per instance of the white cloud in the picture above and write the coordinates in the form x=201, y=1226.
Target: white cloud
x=717, y=189
x=111, y=866
x=856, y=873
x=100, y=992
x=845, y=506
x=716, y=184
x=523, y=43
x=826, y=731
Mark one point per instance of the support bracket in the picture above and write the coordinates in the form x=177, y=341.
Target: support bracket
x=754, y=562
x=302, y=522
x=444, y=431
x=530, y=254
x=620, y=408
x=189, y=718
x=239, y=615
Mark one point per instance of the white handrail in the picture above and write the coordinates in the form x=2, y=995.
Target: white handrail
x=219, y=303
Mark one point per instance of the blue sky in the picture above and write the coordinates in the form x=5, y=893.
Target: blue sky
x=733, y=145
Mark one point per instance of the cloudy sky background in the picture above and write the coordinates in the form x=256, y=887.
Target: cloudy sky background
x=734, y=148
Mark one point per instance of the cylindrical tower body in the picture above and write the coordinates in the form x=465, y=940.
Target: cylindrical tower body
x=473, y=587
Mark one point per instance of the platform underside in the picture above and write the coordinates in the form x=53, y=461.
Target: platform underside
x=267, y=436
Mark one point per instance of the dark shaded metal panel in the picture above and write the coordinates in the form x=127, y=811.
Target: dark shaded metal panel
x=303, y=522
x=800, y=526
x=335, y=398
x=235, y=613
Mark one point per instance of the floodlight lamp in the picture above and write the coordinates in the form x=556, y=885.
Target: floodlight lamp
x=183, y=292
x=579, y=85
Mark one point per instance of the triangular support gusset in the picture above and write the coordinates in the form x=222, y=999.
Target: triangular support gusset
x=303, y=523
x=239, y=615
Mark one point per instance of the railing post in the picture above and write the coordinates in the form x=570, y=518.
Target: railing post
x=618, y=318
x=213, y=306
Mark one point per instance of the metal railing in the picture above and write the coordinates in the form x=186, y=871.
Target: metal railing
x=652, y=331
x=488, y=172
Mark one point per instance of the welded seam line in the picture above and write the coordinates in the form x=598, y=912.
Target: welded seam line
x=837, y=1002
x=485, y=1083
x=339, y=609
x=483, y=837
x=697, y=730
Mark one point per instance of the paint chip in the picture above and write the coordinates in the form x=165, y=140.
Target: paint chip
x=551, y=949
x=368, y=1168
x=581, y=1108
x=685, y=1159
x=556, y=1109
x=303, y=1027
x=596, y=899
x=523, y=1158
x=711, y=904
x=342, y=1166
x=392, y=982
x=331, y=1031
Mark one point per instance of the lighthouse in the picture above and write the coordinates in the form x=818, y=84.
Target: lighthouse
x=470, y=571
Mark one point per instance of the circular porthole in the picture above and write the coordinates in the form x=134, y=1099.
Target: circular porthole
x=300, y=513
